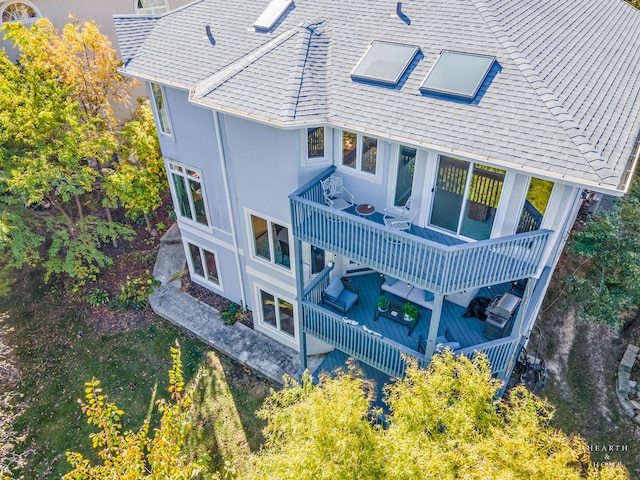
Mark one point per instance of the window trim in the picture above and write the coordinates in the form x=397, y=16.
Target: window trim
x=252, y=245
x=26, y=21
x=304, y=147
x=357, y=171
x=156, y=113
x=286, y=337
x=174, y=196
x=150, y=10
x=218, y=286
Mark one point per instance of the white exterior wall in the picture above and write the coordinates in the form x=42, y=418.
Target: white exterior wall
x=264, y=164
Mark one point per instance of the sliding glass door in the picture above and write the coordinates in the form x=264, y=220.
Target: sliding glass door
x=466, y=197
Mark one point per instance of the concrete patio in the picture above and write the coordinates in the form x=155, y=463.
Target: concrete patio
x=250, y=348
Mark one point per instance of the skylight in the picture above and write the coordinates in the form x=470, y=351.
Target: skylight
x=272, y=14
x=384, y=62
x=459, y=74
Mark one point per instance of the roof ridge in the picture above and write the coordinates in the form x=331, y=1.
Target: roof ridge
x=297, y=73
x=572, y=128
x=212, y=82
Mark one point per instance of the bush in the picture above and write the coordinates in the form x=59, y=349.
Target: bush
x=98, y=297
x=135, y=292
x=229, y=316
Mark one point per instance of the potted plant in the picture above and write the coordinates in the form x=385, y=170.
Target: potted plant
x=383, y=303
x=410, y=312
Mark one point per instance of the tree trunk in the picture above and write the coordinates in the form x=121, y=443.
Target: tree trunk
x=152, y=231
x=79, y=206
x=114, y=239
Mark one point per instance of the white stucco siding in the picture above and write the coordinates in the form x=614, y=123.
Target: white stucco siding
x=193, y=143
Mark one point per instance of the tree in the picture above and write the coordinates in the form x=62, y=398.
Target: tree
x=60, y=143
x=133, y=455
x=605, y=288
x=444, y=423
x=138, y=179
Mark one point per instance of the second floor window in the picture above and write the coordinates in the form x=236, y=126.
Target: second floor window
x=359, y=152
x=315, y=142
x=188, y=194
x=151, y=7
x=161, y=109
x=19, y=12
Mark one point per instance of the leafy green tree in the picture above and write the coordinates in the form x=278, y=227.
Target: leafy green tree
x=605, y=288
x=63, y=153
x=444, y=423
x=138, y=180
x=133, y=454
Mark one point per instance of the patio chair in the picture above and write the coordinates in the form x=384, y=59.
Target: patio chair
x=335, y=195
x=340, y=296
x=403, y=222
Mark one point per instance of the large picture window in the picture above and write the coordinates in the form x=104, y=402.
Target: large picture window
x=277, y=313
x=270, y=241
x=359, y=152
x=188, y=194
x=162, y=112
x=204, y=264
x=466, y=197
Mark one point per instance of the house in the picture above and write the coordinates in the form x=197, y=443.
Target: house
x=492, y=117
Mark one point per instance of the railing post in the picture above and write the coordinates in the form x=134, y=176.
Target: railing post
x=297, y=248
x=436, y=312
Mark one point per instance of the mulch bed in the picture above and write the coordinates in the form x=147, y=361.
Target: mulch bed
x=212, y=299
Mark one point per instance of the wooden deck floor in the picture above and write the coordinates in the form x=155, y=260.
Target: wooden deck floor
x=426, y=233
x=338, y=360
x=466, y=331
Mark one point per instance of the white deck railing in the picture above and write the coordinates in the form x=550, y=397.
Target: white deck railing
x=435, y=267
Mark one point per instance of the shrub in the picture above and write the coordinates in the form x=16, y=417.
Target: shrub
x=98, y=297
x=135, y=292
x=229, y=315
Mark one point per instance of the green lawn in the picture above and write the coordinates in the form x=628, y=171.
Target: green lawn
x=57, y=351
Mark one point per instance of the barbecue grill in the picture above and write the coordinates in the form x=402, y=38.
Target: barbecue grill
x=499, y=314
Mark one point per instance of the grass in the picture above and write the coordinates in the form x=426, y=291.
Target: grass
x=57, y=351
x=578, y=412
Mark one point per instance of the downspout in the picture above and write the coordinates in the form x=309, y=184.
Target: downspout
x=227, y=194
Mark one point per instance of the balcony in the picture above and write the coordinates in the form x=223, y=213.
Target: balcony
x=386, y=352
x=421, y=256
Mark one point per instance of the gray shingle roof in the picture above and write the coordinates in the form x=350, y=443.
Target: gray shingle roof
x=132, y=32
x=564, y=100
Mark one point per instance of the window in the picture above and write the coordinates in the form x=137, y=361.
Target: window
x=359, y=152
x=466, y=197
x=204, y=264
x=404, y=176
x=23, y=12
x=151, y=7
x=315, y=142
x=188, y=194
x=157, y=92
x=270, y=241
x=277, y=313
x=535, y=205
